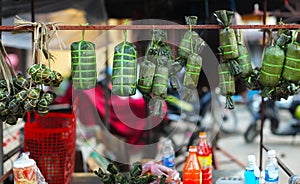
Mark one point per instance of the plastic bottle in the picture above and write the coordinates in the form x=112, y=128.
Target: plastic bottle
x=205, y=158
x=192, y=173
x=271, y=168
x=251, y=173
x=168, y=154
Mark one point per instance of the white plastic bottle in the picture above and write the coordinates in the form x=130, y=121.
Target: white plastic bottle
x=168, y=154
x=271, y=168
x=251, y=173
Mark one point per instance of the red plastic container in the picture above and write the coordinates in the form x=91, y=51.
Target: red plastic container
x=51, y=141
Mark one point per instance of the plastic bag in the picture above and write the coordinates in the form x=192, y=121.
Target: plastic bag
x=172, y=176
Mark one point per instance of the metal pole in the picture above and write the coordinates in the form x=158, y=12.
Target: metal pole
x=32, y=11
x=150, y=27
x=106, y=82
x=1, y=124
x=262, y=99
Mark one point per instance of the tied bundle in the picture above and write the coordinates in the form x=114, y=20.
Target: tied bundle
x=124, y=74
x=226, y=84
x=193, y=69
x=187, y=43
x=9, y=109
x=160, y=85
x=291, y=68
x=146, y=75
x=229, y=47
x=159, y=53
x=272, y=65
x=243, y=59
x=189, y=49
x=28, y=92
x=158, y=46
x=83, y=64
x=148, y=67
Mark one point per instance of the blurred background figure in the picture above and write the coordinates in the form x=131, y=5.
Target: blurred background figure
x=13, y=60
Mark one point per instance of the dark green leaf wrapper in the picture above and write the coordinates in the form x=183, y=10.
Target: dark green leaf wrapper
x=193, y=69
x=160, y=81
x=226, y=84
x=244, y=61
x=291, y=69
x=156, y=107
x=187, y=43
x=146, y=75
x=83, y=65
x=272, y=66
x=124, y=69
x=283, y=40
x=227, y=35
x=226, y=80
x=224, y=17
x=228, y=44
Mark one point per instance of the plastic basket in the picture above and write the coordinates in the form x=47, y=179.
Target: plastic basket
x=51, y=141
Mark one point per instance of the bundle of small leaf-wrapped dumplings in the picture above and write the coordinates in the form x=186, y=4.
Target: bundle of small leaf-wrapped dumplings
x=159, y=68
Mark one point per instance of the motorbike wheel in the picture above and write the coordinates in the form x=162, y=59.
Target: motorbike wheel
x=251, y=132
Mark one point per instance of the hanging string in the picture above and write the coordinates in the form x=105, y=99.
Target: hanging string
x=83, y=31
x=125, y=31
x=41, y=36
x=191, y=38
x=6, y=69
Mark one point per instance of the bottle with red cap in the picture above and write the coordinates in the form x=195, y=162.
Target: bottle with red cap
x=192, y=173
x=205, y=158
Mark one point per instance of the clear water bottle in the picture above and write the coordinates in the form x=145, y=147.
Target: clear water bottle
x=251, y=173
x=168, y=154
x=271, y=168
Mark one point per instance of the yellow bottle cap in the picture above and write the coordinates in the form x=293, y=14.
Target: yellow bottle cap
x=202, y=134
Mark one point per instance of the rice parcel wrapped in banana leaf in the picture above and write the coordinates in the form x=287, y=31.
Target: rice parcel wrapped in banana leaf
x=229, y=47
x=244, y=59
x=192, y=71
x=174, y=68
x=146, y=75
x=124, y=76
x=272, y=66
x=291, y=68
x=148, y=66
x=157, y=45
x=83, y=65
x=226, y=84
x=160, y=86
x=187, y=42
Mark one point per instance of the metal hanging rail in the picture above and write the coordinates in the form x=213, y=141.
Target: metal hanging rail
x=149, y=27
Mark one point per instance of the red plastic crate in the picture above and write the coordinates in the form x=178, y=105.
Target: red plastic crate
x=51, y=141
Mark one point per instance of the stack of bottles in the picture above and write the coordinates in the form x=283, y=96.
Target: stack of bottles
x=198, y=165
x=271, y=172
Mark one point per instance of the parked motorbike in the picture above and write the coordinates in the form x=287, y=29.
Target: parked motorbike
x=271, y=113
